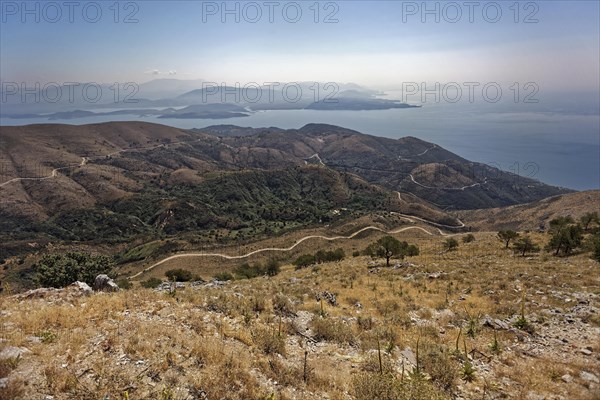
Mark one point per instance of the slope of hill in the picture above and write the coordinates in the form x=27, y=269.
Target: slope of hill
x=114, y=182
x=454, y=316
x=408, y=164
x=535, y=215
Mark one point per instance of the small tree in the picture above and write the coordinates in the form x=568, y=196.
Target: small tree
x=320, y=256
x=506, y=236
x=588, y=218
x=273, y=267
x=386, y=247
x=557, y=224
x=450, y=244
x=595, y=245
x=338, y=254
x=565, y=239
x=525, y=245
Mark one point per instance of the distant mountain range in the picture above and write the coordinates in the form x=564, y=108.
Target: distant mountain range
x=165, y=97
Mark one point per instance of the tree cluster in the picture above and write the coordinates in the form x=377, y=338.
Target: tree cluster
x=60, y=270
x=319, y=257
x=247, y=271
x=566, y=237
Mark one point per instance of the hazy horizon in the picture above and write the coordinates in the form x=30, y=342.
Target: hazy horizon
x=380, y=44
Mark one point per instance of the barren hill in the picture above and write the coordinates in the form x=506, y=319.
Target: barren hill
x=535, y=215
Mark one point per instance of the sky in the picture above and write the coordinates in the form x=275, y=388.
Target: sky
x=380, y=44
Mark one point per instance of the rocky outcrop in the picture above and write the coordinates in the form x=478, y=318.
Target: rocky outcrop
x=103, y=283
x=76, y=289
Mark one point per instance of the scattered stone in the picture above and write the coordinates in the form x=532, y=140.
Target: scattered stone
x=163, y=286
x=589, y=377
x=103, y=283
x=34, y=339
x=586, y=352
x=495, y=323
x=327, y=296
x=535, y=396
x=215, y=284
x=82, y=287
x=13, y=352
x=40, y=293
x=408, y=356
x=404, y=264
x=566, y=378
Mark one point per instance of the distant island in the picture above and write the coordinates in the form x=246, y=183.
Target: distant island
x=210, y=102
x=358, y=104
x=204, y=111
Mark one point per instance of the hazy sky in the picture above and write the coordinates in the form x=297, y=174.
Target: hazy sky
x=380, y=44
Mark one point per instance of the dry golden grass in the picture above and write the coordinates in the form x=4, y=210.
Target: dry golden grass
x=248, y=339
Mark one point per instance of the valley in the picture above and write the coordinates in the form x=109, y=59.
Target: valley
x=235, y=213
x=127, y=184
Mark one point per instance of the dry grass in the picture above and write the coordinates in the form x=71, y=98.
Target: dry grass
x=248, y=340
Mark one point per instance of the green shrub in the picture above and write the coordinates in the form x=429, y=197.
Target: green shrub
x=440, y=366
x=224, y=276
x=468, y=238
x=124, y=283
x=151, y=283
x=179, y=275
x=450, y=244
x=247, y=271
x=60, y=270
x=592, y=244
x=304, y=261
x=412, y=250
x=272, y=268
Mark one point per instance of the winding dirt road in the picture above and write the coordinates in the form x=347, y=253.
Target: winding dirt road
x=410, y=218
x=278, y=249
x=447, y=188
x=53, y=173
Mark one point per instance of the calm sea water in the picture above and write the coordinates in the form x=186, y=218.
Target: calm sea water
x=556, y=141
